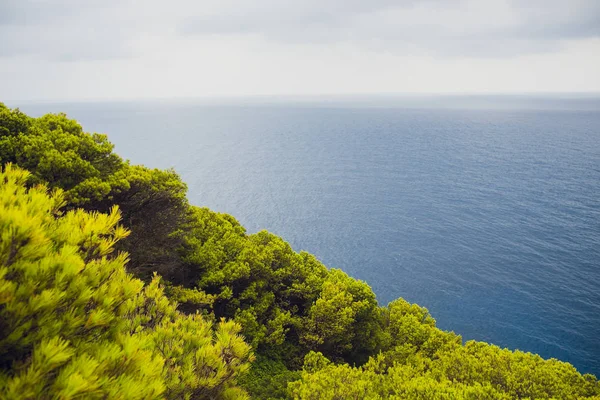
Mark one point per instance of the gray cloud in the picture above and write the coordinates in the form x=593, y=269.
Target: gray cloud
x=64, y=30
x=450, y=28
x=290, y=20
x=72, y=30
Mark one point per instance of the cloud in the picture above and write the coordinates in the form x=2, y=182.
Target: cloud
x=108, y=29
x=451, y=28
x=64, y=30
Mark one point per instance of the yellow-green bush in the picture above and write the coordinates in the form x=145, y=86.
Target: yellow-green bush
x=74, y=324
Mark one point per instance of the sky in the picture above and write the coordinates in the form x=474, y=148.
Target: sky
x=126, y=49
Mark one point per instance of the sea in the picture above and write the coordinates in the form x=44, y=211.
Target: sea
x=483, y=209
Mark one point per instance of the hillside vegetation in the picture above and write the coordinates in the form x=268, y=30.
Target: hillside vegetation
x=112, y=286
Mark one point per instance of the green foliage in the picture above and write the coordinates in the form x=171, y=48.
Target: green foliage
x=200, y=362
x=256, y=279
x=330, y=381
x=154, y=207
x=287, y=302
x=76, y=325
x=56, y=151
x=268, y=379
x=344, y=322
x=153, y=203
x=521, y=375
x=423, y=362
x=12, y=122
x=428, y=379
x=411, y=331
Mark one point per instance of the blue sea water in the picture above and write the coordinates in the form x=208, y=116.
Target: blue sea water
x=484, y=210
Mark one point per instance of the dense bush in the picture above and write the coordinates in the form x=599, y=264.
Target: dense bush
x=74, y=324
x=58, y=153
x=423, y=362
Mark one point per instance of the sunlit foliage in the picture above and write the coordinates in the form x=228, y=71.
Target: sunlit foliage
x=423, y=362
x=75, y=324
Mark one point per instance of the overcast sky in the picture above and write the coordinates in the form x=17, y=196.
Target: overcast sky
x=117, y=49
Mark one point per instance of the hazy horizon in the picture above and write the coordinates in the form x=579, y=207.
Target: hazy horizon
x=422, y=101
x=323, y=96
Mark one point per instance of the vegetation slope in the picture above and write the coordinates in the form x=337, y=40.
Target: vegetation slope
x=113, y=286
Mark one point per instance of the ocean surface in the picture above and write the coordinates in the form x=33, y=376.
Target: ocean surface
x=485, y=210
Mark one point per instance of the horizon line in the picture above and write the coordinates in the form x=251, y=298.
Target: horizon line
x=313, y=97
